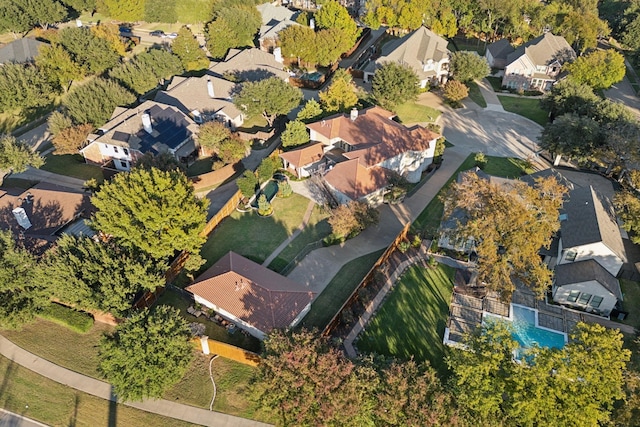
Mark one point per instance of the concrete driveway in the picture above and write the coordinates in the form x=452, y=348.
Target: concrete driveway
x=623, y=92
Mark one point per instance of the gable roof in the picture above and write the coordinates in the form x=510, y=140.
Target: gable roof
x=415, y=49
x=271, y=12
x=585, y=271
x=355, y=180
x=249, y=65
x=373, y=136
x=304, y=156
x=20, y=51
x=544, y=50
x=589, y=221
x=252, y=293
x=500, y=49
x=192, y=93
x=171, y=128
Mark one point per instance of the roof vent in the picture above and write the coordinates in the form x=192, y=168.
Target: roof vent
x=146, y=123
x=22, y=218
x=212, y=94
x=354, y=114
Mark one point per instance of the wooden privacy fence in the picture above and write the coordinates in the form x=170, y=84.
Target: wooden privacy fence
x=224, y=212
x=228, y=351
x=335, y=320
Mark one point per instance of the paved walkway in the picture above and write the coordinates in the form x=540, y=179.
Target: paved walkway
x=280, y=248
x=493, y=103
x=33, y=174
x=10, y=419
x=102, y=390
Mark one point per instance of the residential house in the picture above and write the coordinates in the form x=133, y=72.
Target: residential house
x=422, y=50
x=39, y=215
x=536, y=65
x=149, y=128
x=203, y=98
x=274, y=19
x=20, y=51
x=305, y=161
x=361, y=151
x=249, y=65
x=251, y=296
x=497, y=53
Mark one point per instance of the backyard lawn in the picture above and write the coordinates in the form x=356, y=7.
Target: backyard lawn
x=631, y=303
x=411, y=112
x=327, y=304
x=475, y=95
x=253, y=236
x=72, y=165
x=27, y=393
x=411, y=321
x=526, y=107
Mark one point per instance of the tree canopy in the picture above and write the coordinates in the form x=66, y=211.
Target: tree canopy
x=468, y=66
x=454, y=92
x=295, y=134
x=340, y=96
x=628, y=209
x=93, y=54
x=125, y=10
x=235, y=24
x=395, y=84
x=333, y=15
x=269, y=97
x=23, y=86
x=56, y=64
x=188, y=50
x=147, y=70
x=19, y=16
x=95, y=101
x=15, y=156
x=509, y=225
x=599, y=69
x=146, y=354
x=572, y=136
x=211, y=134
x=153, y=211
x=310, y=111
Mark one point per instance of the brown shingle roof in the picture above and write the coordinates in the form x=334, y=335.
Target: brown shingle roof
x=373, y=135
x=305, y=155
x=354, y=180
x=252, y=293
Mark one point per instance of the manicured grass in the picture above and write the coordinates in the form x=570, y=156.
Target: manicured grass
x=429, y=219
x=412, y=320
x=496, y=83
x=72, y=165
x=256, y=121
x=471, y=44
x=200, y=166
x=25, y=184
x=34, y=396
x=327, y=304
x=62, y=346
x=213, y=330
x=253, y=236
x=475, y=95
x=529, y=108
x=317, y=229
x=411, y=112
x=631, y=303
x=77, y=321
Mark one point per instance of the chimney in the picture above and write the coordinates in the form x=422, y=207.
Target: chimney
x=22, y=218
x=354, y=114
x=210, y=89
x=277, y=53
x=312, y=24
x=146, y=123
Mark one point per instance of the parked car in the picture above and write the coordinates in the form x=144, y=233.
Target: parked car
x=125, y=30
x=157, y=33
x=170, y=36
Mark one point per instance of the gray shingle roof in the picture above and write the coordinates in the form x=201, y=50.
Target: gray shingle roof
x=500, y=49
x=585, y=271
x=544, y=50
x=249, y=65
x=20, y=51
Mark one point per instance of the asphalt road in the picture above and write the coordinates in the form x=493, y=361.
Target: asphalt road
x=9, y=419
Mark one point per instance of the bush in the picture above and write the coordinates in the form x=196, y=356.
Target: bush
x=264, y=207
x=247, y=183
x=480, y=159
x=404, y=246
x=284, y=189
x=416, y=241
x=77, y=321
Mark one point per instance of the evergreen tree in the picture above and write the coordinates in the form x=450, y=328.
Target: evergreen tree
x=188, y=50
x=95, y=101
x=295, y=134
x=269, y=97
x=395, y=84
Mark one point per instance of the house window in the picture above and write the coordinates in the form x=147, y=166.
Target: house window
x=596, y=301
x=573, y=296
x=570, y=256
x=126, y=152
x=584, y=298
x=123, y=164
x=115, y=149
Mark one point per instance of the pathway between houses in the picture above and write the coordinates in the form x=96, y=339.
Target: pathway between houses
x=102, y=390
x=305, y=221
x=493, y=103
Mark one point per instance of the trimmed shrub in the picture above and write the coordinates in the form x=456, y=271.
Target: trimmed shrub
x=75, y=320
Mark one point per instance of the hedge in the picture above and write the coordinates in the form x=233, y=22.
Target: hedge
x=77, y=321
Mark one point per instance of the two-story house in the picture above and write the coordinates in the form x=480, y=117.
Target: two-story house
x=534, y=65
x=274, y=19
x=422, y=50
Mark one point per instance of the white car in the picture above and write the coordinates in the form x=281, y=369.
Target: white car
x=170, y=36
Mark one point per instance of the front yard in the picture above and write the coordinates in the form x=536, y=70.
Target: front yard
x=526, y=107
x=412, y=112
x=72, y=165
x=475, y=95
x=411, y=322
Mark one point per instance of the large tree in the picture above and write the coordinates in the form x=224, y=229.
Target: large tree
x=98, y=275
x=95, y=101
x=125, y=10
x=146, y=354
x=298, y=41
x=395, y=84
x=234, y=25
x=546, y=386
x=16, y=156
x=468, y=66
x=147, y=70
x=568, y=96
x=341, y=95
x=160, y=11
x=19, y=16
x=211, y=134
x=92, y=53
x=294, y=134
x=572, y=136
x=153, y=211
x=70, y=139
x=188, y=50
x=509, y=224
x=270, y=98
x=599, y=69
x=333, y=15
x=23, y=86
x=220, y=38
x=22, y=291
x=56, y=64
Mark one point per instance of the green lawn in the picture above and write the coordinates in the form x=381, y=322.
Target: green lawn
x=253, y=236
x=475, y=95
x=631, y=303
x=72, y=165
x=201, y=166
x=463, y=43
x=317, y=228
x=27, y=393
x=429, y=219
x=411, y=112
x=411, y=321
x=496, y=83
x=327, y=304
x=529, y=108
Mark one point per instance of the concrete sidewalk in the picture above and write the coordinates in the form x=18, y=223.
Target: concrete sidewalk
x=493, y=102
x=33, y=174
x=102, y=390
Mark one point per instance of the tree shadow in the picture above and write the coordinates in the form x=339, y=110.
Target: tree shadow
x=6, y=381
x=74, y=417
x=113, y=409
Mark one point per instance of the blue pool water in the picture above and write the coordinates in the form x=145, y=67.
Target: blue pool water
x=527, y=334
x=312, y=77
x=269, y=190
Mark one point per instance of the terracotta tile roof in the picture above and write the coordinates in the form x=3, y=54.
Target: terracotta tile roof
x=373, y=135
x=252, y=293
x=305, y=155
x=355, y=180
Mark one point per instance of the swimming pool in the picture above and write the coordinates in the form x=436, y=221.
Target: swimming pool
x=312, y=77
x=528, y=334
x=269, y=190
